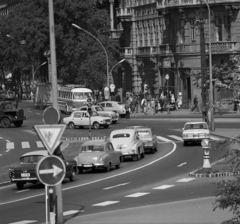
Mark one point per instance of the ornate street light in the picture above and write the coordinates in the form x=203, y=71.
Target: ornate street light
x=114, y=67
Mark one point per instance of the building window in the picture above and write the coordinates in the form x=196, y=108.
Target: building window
x=192, y=29
x=227, y=27
x=182, y=31
x=218, y=29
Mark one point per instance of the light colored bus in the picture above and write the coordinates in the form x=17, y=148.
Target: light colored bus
x=71, y=97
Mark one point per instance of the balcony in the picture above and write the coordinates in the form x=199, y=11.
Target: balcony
x=162, y=4
x=126, y=52
x=124, y=13
x=187, y=48
x=148, y=50
x=115, y=34
x=223, y=47
x=165, y=49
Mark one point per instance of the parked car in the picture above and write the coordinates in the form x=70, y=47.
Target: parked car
x=114, y=106
x=112, y=114
x=9, y=114
x=128, y=142
x=98, y=153
x=81, y=119
x=25, y=172
x=147, y=136
x=195, y=132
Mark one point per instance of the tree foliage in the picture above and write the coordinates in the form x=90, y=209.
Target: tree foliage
x=80, y=58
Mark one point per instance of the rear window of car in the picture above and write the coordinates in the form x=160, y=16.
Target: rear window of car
x=92, y=148
x=195, y=126
x=123, y=135
x=144, y=133
x=30, y=159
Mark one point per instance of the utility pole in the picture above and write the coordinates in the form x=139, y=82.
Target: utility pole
x=203, y=66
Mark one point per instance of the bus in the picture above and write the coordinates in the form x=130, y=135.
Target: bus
x=71, y=97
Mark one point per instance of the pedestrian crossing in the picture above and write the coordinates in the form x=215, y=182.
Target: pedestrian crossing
x=175, y=138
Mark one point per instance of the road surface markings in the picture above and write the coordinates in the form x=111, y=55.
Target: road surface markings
x=38, y=113
x=25, y=145
x=176, y=137
x=163, y=187
x=7, y=140
x=71, y=212
x=185, y=179
x=9, y=146
x=0, y=154
x=24, y=222
x=164, y=139
x=39, y=144
x=182, y=164
x=106, y=203
x=107, y=188
x=136, y=195
x=1, y=137
x=21, y=191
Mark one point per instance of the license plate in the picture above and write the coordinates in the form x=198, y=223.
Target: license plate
x=87, y=165
x=25, y=174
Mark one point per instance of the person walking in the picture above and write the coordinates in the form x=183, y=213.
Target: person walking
x=153, y=106
x=161, y=102
x=195, y=102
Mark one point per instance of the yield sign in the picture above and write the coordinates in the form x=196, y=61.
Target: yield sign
x=50, y=135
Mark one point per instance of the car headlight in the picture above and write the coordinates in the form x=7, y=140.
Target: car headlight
x=10, y=173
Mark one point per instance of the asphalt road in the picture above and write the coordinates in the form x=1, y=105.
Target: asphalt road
x=158, y=178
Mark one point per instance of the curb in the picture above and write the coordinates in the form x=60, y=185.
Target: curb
x=220, y=174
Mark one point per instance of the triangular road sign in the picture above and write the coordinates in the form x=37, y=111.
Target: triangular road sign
x=50, y=135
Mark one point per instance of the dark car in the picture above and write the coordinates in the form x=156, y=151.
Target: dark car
x=25, y=172
x=9, y=114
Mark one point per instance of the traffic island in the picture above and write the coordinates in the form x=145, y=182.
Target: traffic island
x=210, y=173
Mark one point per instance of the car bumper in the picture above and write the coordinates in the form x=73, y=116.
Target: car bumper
x=194, y=139
x=91, y=166
x=33, y=180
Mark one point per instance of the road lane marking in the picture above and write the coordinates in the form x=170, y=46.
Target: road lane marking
x=21, y=191
x=9, y=146
x=71, y=212
x=164, y=139
x=107, y=188
x=106, y=203
x=38, y=113
x=25, y=145
x=136, y=195
x=7, y=140
x=182, y=164
x=96, y=181
x=0, y=154
x=39, y=144
x=185, y=180
x=176, y=137
x=163, y=187
x=24, y=222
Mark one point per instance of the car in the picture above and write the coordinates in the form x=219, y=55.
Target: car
x=195, y=132
x=128, y=142
x=98, y=153
x=147, y=136
x=9, y=114
x=25, y=171
x=114, y=106
x=112, y=114
x=81, y=119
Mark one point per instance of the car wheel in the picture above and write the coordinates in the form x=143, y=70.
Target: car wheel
x=96, y=125
x=80, y=170
x=107, y=168
x=20, y=186
x=136, y=157
x=118, y=165
x=106, y=126
x=143, y=155
x=114, y=122
x=184, y=143
x=18, y=123
x=73, y=176
x=152, y=150
x=71, y=125
x=5, y=122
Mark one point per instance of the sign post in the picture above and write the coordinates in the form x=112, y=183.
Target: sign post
x=89, y=104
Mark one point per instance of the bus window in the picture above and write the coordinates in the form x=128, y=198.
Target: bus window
x=71, y=95
x=78, y=96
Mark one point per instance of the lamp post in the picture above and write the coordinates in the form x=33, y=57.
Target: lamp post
x=114, y=67
x=80, y=28
x=210, y=70
x=168, y=106
x=33, y=77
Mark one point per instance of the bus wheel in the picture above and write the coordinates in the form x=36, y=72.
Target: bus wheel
x=71, y=125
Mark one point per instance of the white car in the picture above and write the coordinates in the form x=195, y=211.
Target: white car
x=195, y=132
x=114, y=106
x=81, y=119
x=128, y=142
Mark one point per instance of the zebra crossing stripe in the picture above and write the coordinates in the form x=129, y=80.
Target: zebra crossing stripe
x=71, y=212
x=176, y=137
x=136, y=195
x=106, y=203
x=24, y=222
x=185, y=180
x=9, y=146
x=164, y=139
x=25, y=145
x=163, y=187
x=40, y=144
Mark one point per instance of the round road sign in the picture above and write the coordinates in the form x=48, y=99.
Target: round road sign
x=51, y=116
x=51, y=170
x=167, y=76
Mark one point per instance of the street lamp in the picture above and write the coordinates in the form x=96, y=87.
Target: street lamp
x=114, y=67
x=80, y=28
x=168, y=106
x=33, y=78
x=210, y=70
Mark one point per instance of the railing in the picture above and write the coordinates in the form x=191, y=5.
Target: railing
x=223, y=46
x=116, y=33
x=187, y=48
x=165, y=48
x=127, y=51
x=123, y=12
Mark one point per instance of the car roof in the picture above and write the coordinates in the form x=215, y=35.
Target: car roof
x=118, y=131
x=136, y=127
x=196, y=122
x=36, y=153
x=95, y=141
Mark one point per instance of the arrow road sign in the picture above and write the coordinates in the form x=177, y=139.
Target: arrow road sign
x=51, y=170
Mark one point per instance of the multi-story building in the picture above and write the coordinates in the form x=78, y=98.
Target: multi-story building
x=160, y=37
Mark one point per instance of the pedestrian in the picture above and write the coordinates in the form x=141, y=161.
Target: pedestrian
x=128, y=108
x=118, y=98
x=161, y=102
x=142, y=104
x=156, y=105
x=195, y=102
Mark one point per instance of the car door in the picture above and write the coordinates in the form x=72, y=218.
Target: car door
x=77, y=118
x=85, y=119
x=112, y=153
x=109, y=107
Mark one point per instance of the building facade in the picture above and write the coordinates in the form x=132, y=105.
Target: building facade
x=162, y=37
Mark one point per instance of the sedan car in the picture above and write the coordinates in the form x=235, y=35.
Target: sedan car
x=146, y=135
x=128, y=142
x=82, y=118
x=25, y=172
x=195, y=132
x=98, y=154
x=114, y=116
x=114, y=106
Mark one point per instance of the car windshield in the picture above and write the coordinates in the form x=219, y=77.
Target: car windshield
x=92, y=148
x=122, y=135
x=30, y=159
x=195, y=126
x=143, y=133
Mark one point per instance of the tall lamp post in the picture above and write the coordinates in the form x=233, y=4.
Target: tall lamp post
x=33, y=77
x=114, y=67
x=168, y=106
x=80, y=28
x=210, y=70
